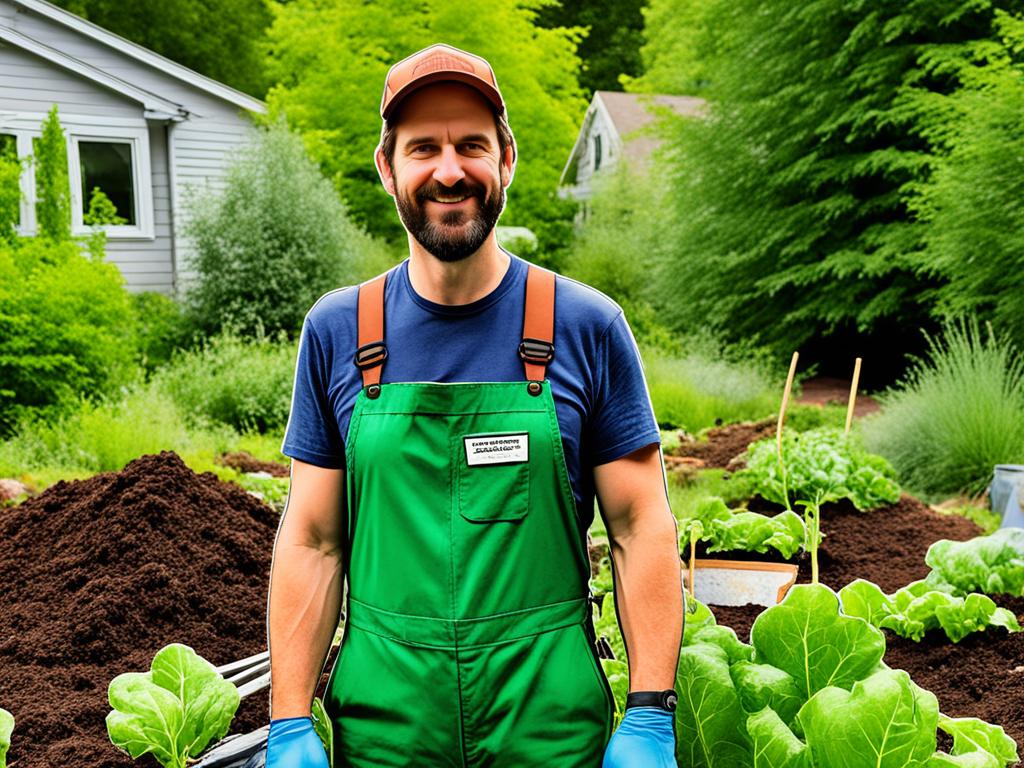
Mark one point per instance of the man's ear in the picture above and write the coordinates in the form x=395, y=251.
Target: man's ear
x=384, y=171
x=508, y=164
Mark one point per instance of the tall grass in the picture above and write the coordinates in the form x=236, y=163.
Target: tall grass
x=703, y=387
x=956, y=414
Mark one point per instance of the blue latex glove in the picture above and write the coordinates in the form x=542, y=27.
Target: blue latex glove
x=294, y=744
x=644, y=739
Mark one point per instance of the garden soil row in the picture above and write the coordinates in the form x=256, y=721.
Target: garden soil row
x=99, y=574
x=982, y=675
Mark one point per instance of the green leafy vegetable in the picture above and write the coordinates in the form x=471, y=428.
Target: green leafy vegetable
x=606, y=625
x=885, y=721
x=617, y=673
x=992, y=564
x=821, y=463
x=6, y=728
x=775, y=745
x=709, y=717
x=807, y=637
x=916, y=609
x=174, y=710
x=726, y=530
x=976, y=744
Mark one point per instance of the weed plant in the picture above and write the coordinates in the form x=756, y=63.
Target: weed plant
x=244, y=384
x=957, y=413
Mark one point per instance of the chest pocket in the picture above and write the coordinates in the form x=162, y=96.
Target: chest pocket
x=493, y=481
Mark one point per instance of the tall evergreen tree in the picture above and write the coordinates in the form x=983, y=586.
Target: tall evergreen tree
x=792, y=211
x=53, y=189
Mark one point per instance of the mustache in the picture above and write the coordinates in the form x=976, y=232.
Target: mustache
x=461, y=188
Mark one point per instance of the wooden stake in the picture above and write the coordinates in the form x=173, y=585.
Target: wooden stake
x=853, y=395
x=785, y=403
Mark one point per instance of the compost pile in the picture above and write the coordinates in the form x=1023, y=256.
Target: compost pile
x=99, y=574
x=982, y=675
x=726, y=443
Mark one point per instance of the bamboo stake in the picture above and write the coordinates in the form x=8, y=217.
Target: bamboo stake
x=853, y=396
x=693, y=564
x=785, y=403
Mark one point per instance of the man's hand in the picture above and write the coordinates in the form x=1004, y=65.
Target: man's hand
x=644, y=739
x=294, y=744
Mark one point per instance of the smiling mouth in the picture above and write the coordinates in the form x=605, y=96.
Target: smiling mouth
x=449, y=199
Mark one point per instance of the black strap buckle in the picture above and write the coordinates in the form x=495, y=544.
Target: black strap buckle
x=536, y=351
x=371, y=355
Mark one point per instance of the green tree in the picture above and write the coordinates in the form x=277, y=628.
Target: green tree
x=218, y=38
x=329, y=61
x=677, y=44
x=611, y=47
x=53, y=190
x=974, y=202
x=10, y=189
x=792, y=208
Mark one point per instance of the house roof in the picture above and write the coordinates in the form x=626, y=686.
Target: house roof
x=132, y=50
x=628, y=114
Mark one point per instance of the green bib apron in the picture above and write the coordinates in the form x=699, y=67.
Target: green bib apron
x=468, y=638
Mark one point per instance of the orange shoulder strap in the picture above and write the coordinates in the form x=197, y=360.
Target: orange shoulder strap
x=537, y=347
x=371, y=353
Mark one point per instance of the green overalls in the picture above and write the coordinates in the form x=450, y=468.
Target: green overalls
x=468, y=638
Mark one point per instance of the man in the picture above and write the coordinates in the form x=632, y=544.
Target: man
x=449, y=431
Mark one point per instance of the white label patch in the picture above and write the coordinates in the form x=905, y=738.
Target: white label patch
x=497, y=449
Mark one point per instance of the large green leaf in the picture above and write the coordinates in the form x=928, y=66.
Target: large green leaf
x=976, y=744
x=725, y=638
x=885, y=721
x=145, y=718
x=775, y=746
x=323, y=727
x=6, y=728
x=806, y=636
x=762, y=685
x=710, y=730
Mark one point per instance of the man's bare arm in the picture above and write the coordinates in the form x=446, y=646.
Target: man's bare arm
x=644, y=545
x=305, y=586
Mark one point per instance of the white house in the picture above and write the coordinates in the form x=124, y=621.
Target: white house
x=139, y=126
x=612, y=129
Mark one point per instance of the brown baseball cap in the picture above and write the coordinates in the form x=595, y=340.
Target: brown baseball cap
x=436, y=64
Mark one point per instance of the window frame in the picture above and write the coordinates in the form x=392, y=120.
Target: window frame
x=28, y=126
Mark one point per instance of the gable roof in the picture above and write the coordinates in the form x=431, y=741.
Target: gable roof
x=134, y=51
x=627, y=114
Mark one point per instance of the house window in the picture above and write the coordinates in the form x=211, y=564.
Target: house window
x=107, y=166
x=597, y=151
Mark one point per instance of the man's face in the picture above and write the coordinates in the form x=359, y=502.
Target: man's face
x=448, y=182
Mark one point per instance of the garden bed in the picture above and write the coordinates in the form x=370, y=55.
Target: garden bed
x=99, y=574
x=982, y=675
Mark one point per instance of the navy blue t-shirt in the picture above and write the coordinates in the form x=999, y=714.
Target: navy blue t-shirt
x=601, y=400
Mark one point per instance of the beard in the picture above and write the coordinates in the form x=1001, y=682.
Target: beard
x=444, y=241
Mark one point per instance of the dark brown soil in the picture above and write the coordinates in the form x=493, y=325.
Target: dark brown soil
x=99, y=574
x=244, y=461
x=982, y=675
x=726, y=443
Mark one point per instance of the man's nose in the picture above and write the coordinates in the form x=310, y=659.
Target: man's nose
x=449, y=168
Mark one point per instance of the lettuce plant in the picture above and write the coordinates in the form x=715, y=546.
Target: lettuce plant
x=917, y=608
x=173, y=711
x=990, y=564
x=6, y=727
x=726, y=530
x=820, y=462
x=322, y=726
x=812, y=691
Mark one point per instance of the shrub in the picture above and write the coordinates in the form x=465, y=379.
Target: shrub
x=10, y=190
x=955, y=415
x=274, y=241
x=246, y=384
x=161, y=328
x=66, y=327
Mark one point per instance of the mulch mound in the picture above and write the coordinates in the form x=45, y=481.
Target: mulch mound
x=244, y=461
x=726, y=443
x=982, y=675
x=99, y=574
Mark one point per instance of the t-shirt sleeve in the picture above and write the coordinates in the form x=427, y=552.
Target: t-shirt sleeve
x=312, y=434
x=623, y=418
